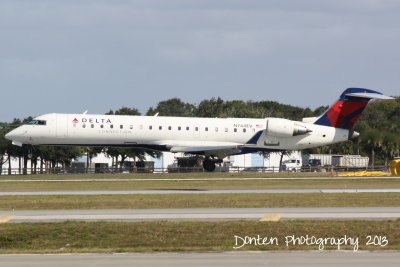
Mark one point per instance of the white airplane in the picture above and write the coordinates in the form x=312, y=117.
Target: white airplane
x=215, y=138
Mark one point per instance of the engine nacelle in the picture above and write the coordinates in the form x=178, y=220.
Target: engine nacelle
x=284, y=128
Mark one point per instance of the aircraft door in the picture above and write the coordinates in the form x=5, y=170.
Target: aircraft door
x=61, y=126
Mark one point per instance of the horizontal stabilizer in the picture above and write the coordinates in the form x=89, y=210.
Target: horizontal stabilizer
x=370, y=96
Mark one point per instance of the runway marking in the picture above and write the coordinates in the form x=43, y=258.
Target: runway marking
x=6, y=218
x=271, y=217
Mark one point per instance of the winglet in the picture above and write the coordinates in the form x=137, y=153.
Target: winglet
x=254, y=139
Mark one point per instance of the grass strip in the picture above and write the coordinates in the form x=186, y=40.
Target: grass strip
x=55, y=202
x=166, y=175
x=184, y=184
x=82, y=237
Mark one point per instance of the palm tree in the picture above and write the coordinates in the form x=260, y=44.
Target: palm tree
x=373, y=139
x=389, y=146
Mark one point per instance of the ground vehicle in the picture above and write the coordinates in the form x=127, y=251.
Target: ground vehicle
x=293, y=165
x=145, y=166
x=327, y=160
x=101, y=168
x=314, y=162
x=186, y=164
x=138, y=166
x=349, y=161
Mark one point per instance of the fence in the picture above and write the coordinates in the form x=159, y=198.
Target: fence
x=232, y=169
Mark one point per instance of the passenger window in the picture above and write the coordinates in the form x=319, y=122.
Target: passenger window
x=235, y=130
x=206, y=129
x=179, y=128
x=187, y=128
x=121, y=126
x=244, y=130
x=111, y=126
x=101, y=126
x=216, y=129
x=131, y=127
x=159, y=127
x=196, y=129
x=83, y=125
x=226, y=130
x=169, y=128
x=92, y=125
x=150, y=127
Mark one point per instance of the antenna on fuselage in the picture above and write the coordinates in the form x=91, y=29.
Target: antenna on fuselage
x=86, y=111
x=156, y=115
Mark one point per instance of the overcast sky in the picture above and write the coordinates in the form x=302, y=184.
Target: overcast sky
x=71, y=56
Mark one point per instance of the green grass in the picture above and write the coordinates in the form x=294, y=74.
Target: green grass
x=199, y=184
x=81, y=237
x=164, y=175
x=157, y=201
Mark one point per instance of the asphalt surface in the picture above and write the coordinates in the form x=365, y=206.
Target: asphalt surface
x=227, y=259
x=341, y=213
x=202, y=191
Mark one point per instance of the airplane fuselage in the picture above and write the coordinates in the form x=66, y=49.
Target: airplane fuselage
x=215, y=138
x=172, y=133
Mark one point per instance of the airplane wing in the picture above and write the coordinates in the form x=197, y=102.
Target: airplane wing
x=218, y=149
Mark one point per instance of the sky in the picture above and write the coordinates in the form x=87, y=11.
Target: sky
x=68, y=56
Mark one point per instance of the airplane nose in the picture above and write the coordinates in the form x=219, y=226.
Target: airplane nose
x=15, y=134
x=9, y=136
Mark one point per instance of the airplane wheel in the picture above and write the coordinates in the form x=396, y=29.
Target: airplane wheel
x=209, y=165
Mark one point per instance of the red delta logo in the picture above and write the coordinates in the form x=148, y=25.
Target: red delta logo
x=75, y=120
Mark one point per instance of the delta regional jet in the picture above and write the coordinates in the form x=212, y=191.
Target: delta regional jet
x=215, y=138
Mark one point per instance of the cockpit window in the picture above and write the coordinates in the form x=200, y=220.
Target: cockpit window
x=36, y=122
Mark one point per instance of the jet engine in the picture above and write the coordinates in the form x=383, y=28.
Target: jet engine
x=284, y=128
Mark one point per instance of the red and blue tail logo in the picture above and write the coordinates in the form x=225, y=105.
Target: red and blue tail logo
x=346, y=111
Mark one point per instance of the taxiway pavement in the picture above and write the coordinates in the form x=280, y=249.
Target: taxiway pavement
x=341, y=213
x=225, y=259
x=202, y=191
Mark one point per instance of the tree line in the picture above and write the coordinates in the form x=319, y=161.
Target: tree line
x=379, y=129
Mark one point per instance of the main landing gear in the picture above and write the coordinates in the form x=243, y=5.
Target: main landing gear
x=209, y=164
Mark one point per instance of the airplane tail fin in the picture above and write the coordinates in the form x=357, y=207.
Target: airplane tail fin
x=346, y=111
